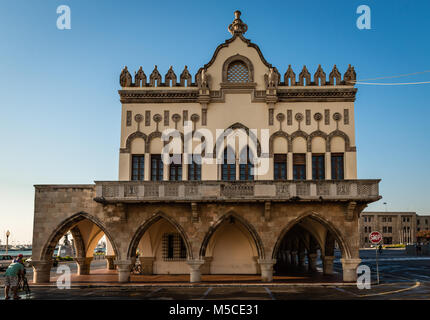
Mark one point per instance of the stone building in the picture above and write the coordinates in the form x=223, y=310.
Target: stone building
x=395, y=227
x=268, y=180
x=423, y=222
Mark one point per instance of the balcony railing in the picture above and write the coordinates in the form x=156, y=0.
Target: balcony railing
x=195, y=191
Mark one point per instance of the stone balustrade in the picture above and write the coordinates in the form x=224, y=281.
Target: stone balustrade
x=195, y=191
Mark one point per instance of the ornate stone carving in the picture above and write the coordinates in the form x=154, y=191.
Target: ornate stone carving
x=283, y=190
x=155, y=78
x=320, y=77
x=176, y=118
x=350, y=76
x=138, y=118
x=157, y=118
x=302, y=189
x=237, y=27
x=125, y=78
x=130, y=190
x=171, y=190
x=291, y=76
x=337, y=116
x=304, y=75
x=345, y=116
x=271, y=79
x=147, y=118
x=140, y=78
x=128, y=120
x=166, y=117
x=318, y=117
x=326, y=116
x=232, y=190
x=289, y=117
x=308, y=117
x=170, y=76
x=185, y=76
x=335, y=74
x=203, y=80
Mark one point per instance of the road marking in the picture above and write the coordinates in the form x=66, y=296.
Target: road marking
x=153, y=291
x=206, y=293
x=270, y=293
x=416, y=285
x=345, y=291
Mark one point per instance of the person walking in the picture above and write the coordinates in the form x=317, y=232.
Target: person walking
x=12, y=274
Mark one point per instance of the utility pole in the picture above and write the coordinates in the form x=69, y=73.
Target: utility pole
x=7, y=240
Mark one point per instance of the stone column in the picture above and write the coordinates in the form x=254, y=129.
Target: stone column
x=123, y=267
x=349, y=267
x=294, y=258
x=328, y=165
x=147, y=166
x=206, y=267
x=41, y=271
x=308, y=165
x=195, y=274
x=266, y=269
x=312, y=259
x=290, y=165
x=147, y=264
x=84, y=264
x=109, y=262
x=328, y=264
x=301, y=257
x=288, y=256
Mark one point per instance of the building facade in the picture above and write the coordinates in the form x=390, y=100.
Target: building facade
x=237, y=170
x=395, y=227
x=423, y=222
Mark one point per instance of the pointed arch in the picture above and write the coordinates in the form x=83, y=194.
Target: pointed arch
x=131, y=252
x=236, y=126
x=297, y=134
x=339, y=133
x=244, y=223
x=130, y=138
x=317, y=133
x=344, y=247
x=68, y=224
x=279, y=133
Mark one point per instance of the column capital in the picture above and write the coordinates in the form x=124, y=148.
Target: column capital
x=350, y=263
x=195, y=264
x=266, y=262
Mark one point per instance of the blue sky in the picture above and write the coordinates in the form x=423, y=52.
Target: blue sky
x=60, y=110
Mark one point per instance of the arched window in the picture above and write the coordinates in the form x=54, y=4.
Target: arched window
x=246, y=165
x=238, y=72
x=228, y=167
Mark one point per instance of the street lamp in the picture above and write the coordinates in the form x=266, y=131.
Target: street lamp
x=7, y=240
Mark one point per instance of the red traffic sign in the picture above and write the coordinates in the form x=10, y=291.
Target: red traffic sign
x=375, y=237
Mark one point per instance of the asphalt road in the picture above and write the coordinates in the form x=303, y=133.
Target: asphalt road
x=401, y=277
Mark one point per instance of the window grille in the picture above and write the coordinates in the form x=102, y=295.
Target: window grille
x=174, y=248
x=238, y=72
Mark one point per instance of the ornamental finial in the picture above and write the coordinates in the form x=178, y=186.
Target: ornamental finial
x=237, y=26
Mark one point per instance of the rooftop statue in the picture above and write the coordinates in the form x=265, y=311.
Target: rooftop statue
x=237, y=26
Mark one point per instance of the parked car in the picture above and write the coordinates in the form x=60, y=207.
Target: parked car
x=5, y=261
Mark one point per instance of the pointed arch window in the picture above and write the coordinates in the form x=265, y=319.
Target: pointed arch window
x=228, y=167
x=246, y=165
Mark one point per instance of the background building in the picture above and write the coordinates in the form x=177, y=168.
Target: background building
x=395, y=227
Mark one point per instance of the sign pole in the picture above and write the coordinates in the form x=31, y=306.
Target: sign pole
x=377, y=269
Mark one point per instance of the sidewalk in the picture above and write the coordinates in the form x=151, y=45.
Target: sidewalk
x=109, y=278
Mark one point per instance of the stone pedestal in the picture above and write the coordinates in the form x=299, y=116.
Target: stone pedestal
x=206, y=267
x=84, y=265
x=328, y=264
x=266, y=269
x=124, y=267
x=195, y=274
x=349, y=267
x=110, y=262
x=41, y=271
x=312, y=259
x=147, y=264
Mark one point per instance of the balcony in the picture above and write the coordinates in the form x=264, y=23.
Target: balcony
x=236, y=191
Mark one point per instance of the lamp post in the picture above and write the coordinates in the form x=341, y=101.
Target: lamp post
x=7, y=240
